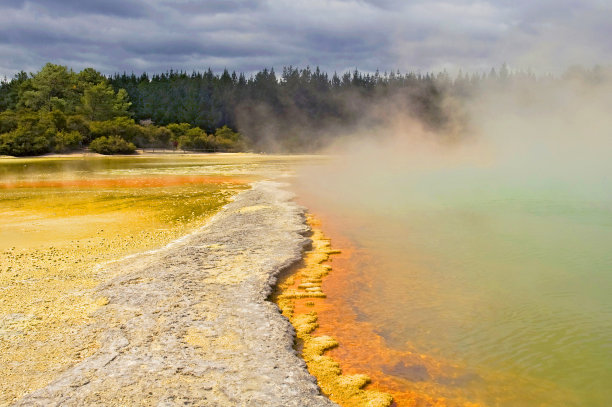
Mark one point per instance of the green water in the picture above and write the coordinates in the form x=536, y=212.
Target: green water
x=510, y=277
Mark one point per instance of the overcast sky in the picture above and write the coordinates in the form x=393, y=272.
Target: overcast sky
x=248, y=35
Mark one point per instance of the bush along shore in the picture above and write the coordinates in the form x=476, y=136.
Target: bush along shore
x=59, y=110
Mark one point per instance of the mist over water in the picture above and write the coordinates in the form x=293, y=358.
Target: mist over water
x=493, y=252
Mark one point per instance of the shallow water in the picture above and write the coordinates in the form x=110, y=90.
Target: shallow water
x=466, y=284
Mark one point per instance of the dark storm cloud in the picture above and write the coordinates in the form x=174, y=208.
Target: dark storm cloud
x=247, y=35
x=119, y=8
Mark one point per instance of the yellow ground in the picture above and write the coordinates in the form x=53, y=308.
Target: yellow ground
x=50, y=243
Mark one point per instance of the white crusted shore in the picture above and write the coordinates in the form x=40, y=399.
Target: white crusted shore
x=190, y=324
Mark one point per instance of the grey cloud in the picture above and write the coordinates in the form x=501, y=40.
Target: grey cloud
x=214, y=6
x=117, y=8
x=13, y=3
x=194, y=46
x=155, y=35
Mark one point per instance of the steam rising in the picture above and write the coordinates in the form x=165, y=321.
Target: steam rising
x=517, y=133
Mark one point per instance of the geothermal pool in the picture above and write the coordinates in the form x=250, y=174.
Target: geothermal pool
x=456, y=284
x=465, y=284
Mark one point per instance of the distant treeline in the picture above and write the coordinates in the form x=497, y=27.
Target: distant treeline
x=299, y=110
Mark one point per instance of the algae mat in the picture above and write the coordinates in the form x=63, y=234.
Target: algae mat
x=298, y=295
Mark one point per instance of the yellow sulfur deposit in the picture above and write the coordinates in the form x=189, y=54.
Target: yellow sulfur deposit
x=61, y=218
x=302, y=289
x=52, y=241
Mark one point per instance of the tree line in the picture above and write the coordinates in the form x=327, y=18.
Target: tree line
x=59, y=110
x=298, y=110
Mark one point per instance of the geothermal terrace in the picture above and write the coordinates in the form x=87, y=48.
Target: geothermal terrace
x=189, y=324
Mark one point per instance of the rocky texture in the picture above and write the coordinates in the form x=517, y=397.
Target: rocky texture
x=297, y=295
x=57, y=239
x=190, y=325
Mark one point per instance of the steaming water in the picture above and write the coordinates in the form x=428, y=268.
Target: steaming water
x=508, y=277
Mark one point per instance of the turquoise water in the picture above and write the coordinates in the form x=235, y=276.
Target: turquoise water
x=508, y=276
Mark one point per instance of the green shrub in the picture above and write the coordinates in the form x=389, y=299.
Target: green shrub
x=161, y=136
x=56, y=119
x=112, y=145
x=228, y=140
x=142, y=136
x=8, y=121
x=78, y=123
x=123, y=127
x=67, y=141
x=178, y=130
x=196, y=139
x=22, y=142
x=184, y=143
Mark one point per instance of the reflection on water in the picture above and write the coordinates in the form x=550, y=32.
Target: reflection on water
x=502, y=289
x=25, y=169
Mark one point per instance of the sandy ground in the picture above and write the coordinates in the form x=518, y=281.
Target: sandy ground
x=189, y=324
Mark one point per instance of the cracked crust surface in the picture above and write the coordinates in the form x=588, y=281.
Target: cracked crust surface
x=189, y=324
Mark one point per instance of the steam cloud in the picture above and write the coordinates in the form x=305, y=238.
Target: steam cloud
x=534, y=134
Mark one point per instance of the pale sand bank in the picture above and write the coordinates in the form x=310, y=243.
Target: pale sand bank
x=190, y=325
